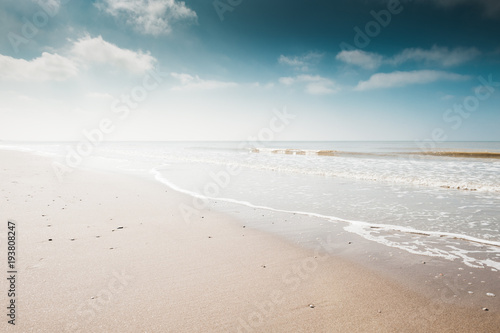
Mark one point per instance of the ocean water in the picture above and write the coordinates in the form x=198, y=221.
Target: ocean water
x=383, y=191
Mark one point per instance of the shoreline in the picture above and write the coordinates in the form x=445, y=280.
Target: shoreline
x=158, y=274
x=439, y=279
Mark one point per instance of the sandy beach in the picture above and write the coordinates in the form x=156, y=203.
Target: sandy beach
x=247, y=166
x=104, y=252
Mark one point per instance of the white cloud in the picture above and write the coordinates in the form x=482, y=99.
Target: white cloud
x=314, y=85
x=149, y=17
x=268, y=85
x=401, y=79
x=361, y=58
x=302, y=63
x=85, y=52
x=439, y=55
x=97, y=51
x=286, y=80
x=321, y=88
x=47, y=67
x=189, y=82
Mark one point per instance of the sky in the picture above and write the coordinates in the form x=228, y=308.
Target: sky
x=147, y=70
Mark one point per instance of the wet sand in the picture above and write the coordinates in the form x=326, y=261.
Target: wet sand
x=103, y=252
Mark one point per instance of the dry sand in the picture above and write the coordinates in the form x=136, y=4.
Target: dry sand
x=160, y=274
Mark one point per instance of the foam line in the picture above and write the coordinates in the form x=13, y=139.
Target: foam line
x=159, y=177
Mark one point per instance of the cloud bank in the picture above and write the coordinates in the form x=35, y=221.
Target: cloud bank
x=439, y=56
x=401, y=79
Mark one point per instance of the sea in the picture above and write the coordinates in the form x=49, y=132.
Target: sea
x=447, y=193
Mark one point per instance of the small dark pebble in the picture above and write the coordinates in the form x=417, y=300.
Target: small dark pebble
x=50, y=239
x=209, y=236
x=119, y=228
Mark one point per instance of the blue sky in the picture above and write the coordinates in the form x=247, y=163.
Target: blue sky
x=348, y=70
